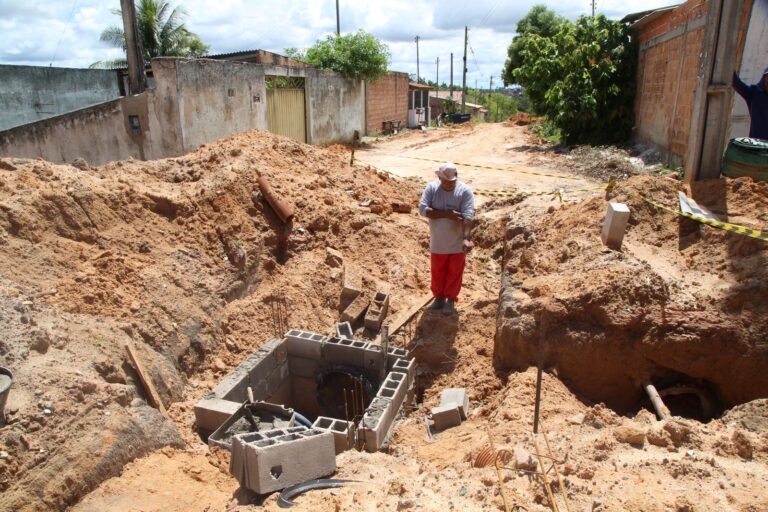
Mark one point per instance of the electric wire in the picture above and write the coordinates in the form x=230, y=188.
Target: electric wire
x=69, y=21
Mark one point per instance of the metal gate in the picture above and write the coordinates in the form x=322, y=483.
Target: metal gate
x=285, y=107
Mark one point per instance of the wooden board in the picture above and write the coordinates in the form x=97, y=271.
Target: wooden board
x=154, y=398
x=403, y=318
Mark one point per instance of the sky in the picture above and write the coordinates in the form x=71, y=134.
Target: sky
x=65, y=33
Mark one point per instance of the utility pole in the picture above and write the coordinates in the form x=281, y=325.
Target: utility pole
x=437, y=87
x=137, y=81
x=593, y=8
x=417, y=58
x=464, y=74
x=490, y=98
x=338, y=25
x=451, y=75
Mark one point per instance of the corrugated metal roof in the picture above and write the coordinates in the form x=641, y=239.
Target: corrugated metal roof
x=639, y=19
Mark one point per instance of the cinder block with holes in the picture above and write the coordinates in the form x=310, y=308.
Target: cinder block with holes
x=408, y=367
x=344, y=351
x=304, y=344
x=340, y=429
x=272, y=464
x=394, y=387
x=377, y=422
x=239, y=442
x=210, y=413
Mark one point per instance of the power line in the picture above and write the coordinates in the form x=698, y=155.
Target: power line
x=490, y=11
x=69, y=21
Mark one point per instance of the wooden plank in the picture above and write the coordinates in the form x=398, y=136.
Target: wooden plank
x=403, y=318
x=154, y=398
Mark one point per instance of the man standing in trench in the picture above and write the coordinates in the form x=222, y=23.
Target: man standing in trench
x=756, y=97
x=450, y=206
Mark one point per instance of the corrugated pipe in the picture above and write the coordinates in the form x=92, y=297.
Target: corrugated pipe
x=301, y=420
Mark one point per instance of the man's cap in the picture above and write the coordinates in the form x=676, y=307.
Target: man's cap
x=447, y=171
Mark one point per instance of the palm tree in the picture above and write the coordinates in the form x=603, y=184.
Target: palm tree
x=161, y=31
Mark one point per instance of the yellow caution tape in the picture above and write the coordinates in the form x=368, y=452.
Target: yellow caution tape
x=733, y=228
x=478, y=166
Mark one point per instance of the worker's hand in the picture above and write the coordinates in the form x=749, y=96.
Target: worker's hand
x=467, y=246
x=454, y=215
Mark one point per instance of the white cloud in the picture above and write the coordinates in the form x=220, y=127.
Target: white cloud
x=38, y=33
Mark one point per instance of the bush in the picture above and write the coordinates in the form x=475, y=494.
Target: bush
x=582, y=79
x=358, y=56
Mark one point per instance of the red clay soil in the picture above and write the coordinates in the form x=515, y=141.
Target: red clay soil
x=680, y=304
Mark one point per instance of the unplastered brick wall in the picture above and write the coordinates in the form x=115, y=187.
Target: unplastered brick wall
x=387, y=99
x=670, y=52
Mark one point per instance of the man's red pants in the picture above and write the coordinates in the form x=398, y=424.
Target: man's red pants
x=447, y=271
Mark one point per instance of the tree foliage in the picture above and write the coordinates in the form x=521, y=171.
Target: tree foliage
x=161, y=31
x=359, y=56
x=582, y=79
x=540, y=21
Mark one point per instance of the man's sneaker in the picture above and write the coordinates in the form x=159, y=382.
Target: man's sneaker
x=438, y=303
x=450, y=307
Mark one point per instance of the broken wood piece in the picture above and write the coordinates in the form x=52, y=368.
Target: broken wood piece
x=661, y=410
x=401, y=207
x=403, y=318
x=283, y=210
x=154, y=397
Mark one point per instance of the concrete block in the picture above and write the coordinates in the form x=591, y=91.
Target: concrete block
x=273, y=464
x=303, y=367
x=211, y=413
x=344, y=351
x=304, y=344
x=394, y=387
x=446, y=416
x=407, y=367
x=269, y=416
x=615, y=224
x=395, y=353
x=256, y=367
x=377, y=311
x=377, y=422
x=352, y=285
x=340, y=429
x=276, y=379
x=344, y=330
x=356, y=309
x=456, y=396
x=239, y=442
x=373, y=359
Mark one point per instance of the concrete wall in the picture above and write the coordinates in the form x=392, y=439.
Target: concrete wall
x=194, y=102
x=668, y=66
x=753, y=63
x=217, y=98
x=32, y=93
x=387, y=99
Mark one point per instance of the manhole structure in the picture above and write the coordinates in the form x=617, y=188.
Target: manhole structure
x=294, y=404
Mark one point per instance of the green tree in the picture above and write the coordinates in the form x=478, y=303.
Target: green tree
x=582, y=79
x=539, y=20
x=359, y=56
x=161, y=31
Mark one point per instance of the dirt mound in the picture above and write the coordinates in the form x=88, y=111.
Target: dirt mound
x=681, y=304
x=179, y=257
x=520, y=119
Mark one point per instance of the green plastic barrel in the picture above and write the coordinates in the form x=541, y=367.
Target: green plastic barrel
x=746, y=157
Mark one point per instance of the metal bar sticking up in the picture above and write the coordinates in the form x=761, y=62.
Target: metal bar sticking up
x=557, y=473
x=543, y=473
x=496, y=464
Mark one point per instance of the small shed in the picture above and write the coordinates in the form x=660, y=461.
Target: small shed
x=418, y=105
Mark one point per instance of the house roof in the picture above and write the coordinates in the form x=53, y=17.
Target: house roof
x=639, y=19
x=422, y=87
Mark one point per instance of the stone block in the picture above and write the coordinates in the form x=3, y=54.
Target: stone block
x=615, y=224
x=340, y=429
x=333, y=258
x=377, y=311
x=269, y=465
x=456, y=396
x=446, y=416
x=352, y=284
x=356, y=309
x=211, y=413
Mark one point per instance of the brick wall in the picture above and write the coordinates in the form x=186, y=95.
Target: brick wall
x=387, y=99
x=668, y=67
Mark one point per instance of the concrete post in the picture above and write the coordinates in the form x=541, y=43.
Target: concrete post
x=615, y=224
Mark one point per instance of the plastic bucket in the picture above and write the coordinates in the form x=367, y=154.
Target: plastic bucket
x=746, y=157
x=6, y=380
